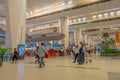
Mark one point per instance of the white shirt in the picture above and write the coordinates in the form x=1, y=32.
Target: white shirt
x=76, y=50
x=41, y=51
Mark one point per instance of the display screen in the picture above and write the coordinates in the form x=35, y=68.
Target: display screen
x=21, y=49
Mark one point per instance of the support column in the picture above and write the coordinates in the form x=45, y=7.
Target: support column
x=77, y=36
x=86, y=38
x=89, y=41
x=16, y=23
x=65, y=30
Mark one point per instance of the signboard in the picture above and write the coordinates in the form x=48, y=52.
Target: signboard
x=21, y=49
x=54, y=29
x=117, y=36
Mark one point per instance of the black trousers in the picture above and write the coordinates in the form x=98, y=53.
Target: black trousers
x=80, y=59
x=76, y=55
x=15, y=58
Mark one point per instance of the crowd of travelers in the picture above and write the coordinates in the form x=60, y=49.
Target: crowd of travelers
x=81, y=54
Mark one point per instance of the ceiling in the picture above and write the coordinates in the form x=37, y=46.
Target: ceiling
x=33, y=5
x=2, y=8
x=38, y=4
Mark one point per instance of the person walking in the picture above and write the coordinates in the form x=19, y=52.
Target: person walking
x=76, y=52
x=87, y=54
x=1, y=59
x=80, y=59
x=15, y=56
x=36, y=56
x=41, y=54
x=61, y=51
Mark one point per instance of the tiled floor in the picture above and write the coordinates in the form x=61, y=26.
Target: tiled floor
x=113, y=76
x=60, y=68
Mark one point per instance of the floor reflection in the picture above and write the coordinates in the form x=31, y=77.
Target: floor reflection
x=20, y=69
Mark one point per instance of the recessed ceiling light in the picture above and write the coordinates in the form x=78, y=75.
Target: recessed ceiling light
x=63, y=4
x=112, y=13
x=74, y=20
x=36, y=11
x=118, y=12
x=100, y=15
x=70, y=2
x=84, y=19
x=79, y=19
x=106, y=14
x=116, y=28
x=94, y=17
x=31, y=12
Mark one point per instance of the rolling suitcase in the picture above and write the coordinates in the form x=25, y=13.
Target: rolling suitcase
x=80, y=59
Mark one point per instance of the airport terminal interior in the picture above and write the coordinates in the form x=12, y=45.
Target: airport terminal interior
x=59, y=39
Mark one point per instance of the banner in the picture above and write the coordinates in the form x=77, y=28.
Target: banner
x=117, y=36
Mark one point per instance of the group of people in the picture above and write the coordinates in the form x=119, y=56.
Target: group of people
x=81, y=53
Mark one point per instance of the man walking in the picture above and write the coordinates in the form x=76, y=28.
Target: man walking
x=41, y=54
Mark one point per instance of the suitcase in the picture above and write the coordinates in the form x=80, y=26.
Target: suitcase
x=80, y=59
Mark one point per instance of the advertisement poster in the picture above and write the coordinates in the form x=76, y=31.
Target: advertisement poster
x=21, y=49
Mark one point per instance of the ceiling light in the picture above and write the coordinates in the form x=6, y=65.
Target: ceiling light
x=31, y=30
x=112, y=13
x=84, y=19
x=70, y=2
x=94, y=17
x=31, y=12
x=63, y=4
x=100, y=15
x=106, y=14
x=79, y=19
x=36, y=11
x=118, y=12
x=115, y=28
x=74, y=20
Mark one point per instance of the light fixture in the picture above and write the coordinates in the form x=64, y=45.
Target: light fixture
x=84, y=19
x=31, y=12
x=118, y=12
x=79, y=19
x=74, y=20
x=70, y=2
x=112, y=13
x=100, y=15
x=36, y=11
x=31, y=30
x=106, y=14
x=116, y=28
x=63, y=4
x=94, y=17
